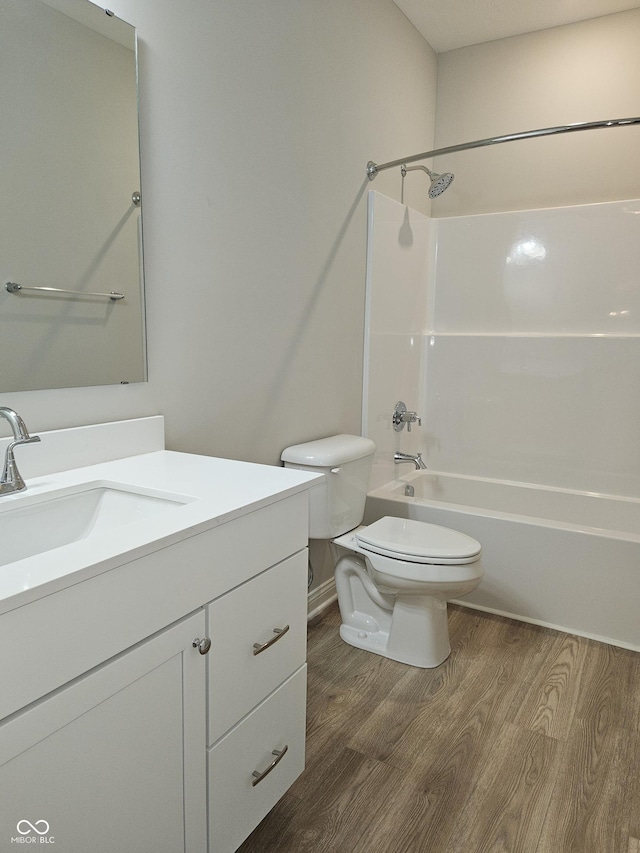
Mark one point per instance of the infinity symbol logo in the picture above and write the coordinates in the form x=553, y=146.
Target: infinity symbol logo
x=40, y=826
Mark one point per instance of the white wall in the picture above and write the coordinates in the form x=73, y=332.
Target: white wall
x=580, y=72
x=257, y=123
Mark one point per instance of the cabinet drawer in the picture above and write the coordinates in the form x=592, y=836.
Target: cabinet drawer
x=236, y=805
x=247, y=616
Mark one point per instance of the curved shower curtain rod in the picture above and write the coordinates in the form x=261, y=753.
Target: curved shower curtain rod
x=374, y=168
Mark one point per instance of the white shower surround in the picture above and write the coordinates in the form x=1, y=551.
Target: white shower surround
x=514, y=336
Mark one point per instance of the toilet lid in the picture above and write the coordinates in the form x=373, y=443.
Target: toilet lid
x=417, y=541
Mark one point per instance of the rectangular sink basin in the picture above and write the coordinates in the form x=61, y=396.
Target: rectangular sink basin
x=45, y=522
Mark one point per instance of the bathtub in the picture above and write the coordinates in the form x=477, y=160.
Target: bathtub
x=554, y=557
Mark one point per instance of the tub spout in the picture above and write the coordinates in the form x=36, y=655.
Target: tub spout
x=410, y=457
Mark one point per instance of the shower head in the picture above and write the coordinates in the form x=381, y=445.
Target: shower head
x=439, y=183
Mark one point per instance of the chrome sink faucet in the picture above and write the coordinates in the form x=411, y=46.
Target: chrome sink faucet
x=409, y=457
x=10, y=480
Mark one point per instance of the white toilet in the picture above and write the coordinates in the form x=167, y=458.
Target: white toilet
x=397, y=574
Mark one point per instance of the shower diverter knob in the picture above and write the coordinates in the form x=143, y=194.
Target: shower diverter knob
x=401, y=417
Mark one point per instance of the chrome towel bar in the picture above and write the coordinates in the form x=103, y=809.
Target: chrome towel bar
x=12, y=287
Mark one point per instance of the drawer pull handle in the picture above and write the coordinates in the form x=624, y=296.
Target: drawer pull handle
x=261, y=647
x=202, y=646
x=279, y=755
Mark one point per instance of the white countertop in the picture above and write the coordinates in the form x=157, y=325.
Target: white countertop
x=217, y=491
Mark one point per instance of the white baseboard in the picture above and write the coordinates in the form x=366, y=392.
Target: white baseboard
x=320, y=598
x=563, y=629
x=324, y=595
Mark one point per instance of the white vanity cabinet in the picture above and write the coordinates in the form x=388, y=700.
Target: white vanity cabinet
x=117, y=733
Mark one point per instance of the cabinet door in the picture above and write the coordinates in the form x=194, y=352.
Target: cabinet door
x=116, y=760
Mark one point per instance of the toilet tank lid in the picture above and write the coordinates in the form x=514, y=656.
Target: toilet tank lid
x=328, y=452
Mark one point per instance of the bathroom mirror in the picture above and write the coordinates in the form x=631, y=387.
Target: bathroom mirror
x=70, y=217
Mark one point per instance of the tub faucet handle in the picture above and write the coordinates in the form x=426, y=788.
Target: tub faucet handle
x=401, y=417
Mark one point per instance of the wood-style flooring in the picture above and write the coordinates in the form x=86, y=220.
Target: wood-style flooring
x=525, y=740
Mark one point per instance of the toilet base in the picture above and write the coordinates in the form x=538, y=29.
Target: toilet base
x=418, y=634
x=408, y=628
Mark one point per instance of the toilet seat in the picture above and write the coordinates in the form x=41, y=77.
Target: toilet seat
x=412, y=541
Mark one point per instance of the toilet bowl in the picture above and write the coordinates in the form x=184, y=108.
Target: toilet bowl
x=393, y=585
x=393, y=577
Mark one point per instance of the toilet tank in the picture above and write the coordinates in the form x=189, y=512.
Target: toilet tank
x=337, y=504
